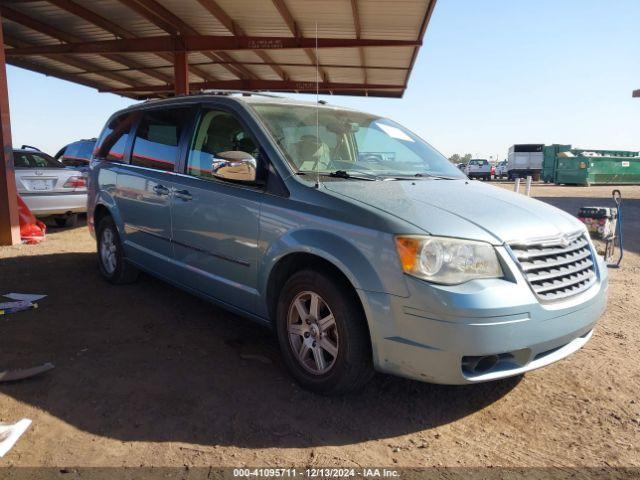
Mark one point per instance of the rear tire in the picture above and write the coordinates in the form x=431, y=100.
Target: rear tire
x=111, y=262
x=325, y=347
x=67, y=220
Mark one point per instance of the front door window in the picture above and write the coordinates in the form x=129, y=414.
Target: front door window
x=217, y=131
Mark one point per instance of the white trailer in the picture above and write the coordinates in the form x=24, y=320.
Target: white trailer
x=525, y=160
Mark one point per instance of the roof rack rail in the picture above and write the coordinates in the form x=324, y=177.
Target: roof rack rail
x=246, y=93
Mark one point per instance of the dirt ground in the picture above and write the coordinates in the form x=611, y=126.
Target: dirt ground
x=148, y=375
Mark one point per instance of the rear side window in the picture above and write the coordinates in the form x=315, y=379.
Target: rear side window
x=158, y=138
x=113, y=140
x=85, y=148
x=78, y=154
x=72, y=150
x=34, y=160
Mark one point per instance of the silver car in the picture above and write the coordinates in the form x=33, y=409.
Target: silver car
x=48, y=188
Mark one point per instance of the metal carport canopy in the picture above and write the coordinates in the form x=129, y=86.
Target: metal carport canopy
x=157, y=48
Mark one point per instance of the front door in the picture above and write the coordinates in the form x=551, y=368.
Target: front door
x=145, y=186
x=215, y=222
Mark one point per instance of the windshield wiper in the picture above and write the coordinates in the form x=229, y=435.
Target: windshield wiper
x=358, y=176
x=341, y=174
x=419, y=175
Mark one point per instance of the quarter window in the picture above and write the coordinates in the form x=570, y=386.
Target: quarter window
x=158, y=137
x=217, y=131
x=113, y=139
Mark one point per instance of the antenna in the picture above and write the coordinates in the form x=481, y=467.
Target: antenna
x=317, y=114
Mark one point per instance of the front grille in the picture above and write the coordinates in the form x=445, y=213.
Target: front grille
x=557, y=270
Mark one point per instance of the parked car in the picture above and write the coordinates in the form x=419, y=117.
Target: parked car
x=462, y=166
x=48, y=188
x=393, y=262
x=478, y=168
x=501, y=169
x=77, y=154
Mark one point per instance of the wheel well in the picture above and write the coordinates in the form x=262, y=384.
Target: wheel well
x=99, y=213
x=295, y=262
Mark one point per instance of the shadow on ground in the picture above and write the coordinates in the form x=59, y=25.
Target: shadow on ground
x=52, y=226
x=147, y=362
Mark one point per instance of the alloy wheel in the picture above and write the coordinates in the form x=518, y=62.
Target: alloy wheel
x=108, y=250
x=313, y=333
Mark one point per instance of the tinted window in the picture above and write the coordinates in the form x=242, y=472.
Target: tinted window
x=528, y=148
x=217, y=132
x=72, y=150
x=85, y=149
x=157, y=139
x=113, y=139
x=34, y=160
x=78, y=154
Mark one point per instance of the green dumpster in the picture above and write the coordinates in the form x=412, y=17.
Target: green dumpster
x=597, y=167
x=550, y=153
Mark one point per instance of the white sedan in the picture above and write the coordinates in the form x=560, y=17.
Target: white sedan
x=48, y=188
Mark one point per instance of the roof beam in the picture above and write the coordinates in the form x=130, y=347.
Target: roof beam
x=111, y=27
x=358, y=28
x=42, y=70
x=151, y=16
x=172, y=24
x=82, y=65
x=214, y=9
x=92, y=17
x=423, y=29
x=274, y=85
x=202, y=43
x=53, y=32
x=281, y=64
x=286, y=15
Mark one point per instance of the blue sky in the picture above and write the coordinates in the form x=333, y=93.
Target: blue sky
x=491, y=73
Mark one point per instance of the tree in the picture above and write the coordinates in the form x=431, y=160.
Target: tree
x=456, y=158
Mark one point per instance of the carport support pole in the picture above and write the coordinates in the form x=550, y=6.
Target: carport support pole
x=9, y=223
x=181, y=72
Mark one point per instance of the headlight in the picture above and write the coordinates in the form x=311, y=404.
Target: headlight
x=447, y=260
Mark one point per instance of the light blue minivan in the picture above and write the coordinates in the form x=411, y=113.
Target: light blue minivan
x=362, y=246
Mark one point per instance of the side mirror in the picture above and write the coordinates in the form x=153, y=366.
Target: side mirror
x=234, y=165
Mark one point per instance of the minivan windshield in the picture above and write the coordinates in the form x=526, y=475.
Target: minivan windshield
x=352, y=142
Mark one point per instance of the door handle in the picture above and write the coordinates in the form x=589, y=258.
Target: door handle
x=161, y=190
x=183, y=195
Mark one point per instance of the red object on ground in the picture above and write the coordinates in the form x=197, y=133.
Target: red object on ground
x=32, y=230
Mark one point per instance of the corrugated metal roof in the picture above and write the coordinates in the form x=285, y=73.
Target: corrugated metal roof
x=353, y=67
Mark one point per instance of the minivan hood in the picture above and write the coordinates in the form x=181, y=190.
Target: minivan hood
x=461, y=208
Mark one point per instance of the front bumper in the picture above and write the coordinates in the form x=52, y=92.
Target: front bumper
x=438, y=333
x=42, y=205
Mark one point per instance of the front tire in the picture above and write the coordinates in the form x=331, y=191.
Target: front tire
x=111, y=262
x=323, y=334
